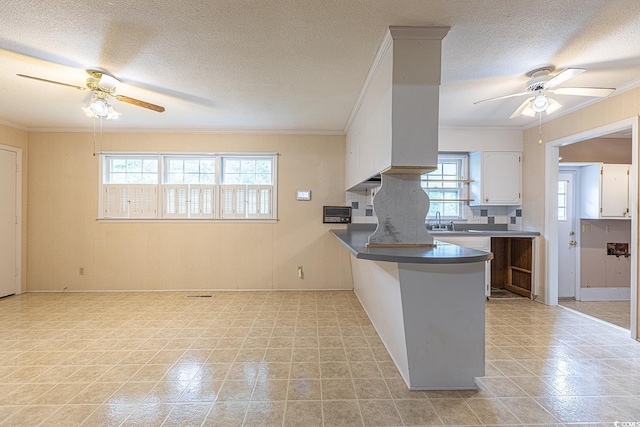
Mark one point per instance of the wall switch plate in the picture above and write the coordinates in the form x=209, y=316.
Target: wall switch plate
x=303, y=195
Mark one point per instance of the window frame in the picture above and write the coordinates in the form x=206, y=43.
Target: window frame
x=162, y=185
x=565, y=196
x=462, y=189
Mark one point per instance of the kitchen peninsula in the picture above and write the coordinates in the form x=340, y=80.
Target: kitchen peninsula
x=427, y=304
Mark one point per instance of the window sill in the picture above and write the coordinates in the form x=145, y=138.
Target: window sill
x=189, y=220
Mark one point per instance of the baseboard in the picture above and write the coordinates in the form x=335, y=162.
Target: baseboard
x=605, y=294
x=68, y=291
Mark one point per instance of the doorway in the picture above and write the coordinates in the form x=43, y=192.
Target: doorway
x=552, y=227
x=9, y=222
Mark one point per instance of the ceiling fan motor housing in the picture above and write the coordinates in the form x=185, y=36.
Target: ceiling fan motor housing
x=538, y=79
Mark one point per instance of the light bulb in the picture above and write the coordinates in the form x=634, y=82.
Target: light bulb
x=100, y=107
x=540, y=103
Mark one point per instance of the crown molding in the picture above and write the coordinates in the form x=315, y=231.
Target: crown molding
x=195, y=131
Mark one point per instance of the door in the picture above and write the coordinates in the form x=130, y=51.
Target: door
x=567, y=238
x=8, y=222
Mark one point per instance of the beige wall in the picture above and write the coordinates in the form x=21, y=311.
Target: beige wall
x=598, y=150
x=597, y=268
x=18, y=138
x=64, y=234
x=614, y=109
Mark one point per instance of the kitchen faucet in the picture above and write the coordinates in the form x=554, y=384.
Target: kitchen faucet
x=438, y=220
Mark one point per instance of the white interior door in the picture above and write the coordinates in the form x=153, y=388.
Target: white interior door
x=8, y=226
x=567, y=237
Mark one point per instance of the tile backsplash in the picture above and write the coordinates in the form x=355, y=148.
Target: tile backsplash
x=362, y=211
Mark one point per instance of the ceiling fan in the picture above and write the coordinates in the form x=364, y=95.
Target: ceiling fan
x=542, y=83
x=103, y=85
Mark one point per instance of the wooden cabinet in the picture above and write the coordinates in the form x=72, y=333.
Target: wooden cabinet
x=604, y=191
x=496, y=178
x=512, y=266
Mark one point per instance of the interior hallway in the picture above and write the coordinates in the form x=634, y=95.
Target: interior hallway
x=615, y=312
x=290, y=358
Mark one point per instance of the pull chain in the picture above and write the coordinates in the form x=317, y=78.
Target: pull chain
x=540, y=130
x=94, y=137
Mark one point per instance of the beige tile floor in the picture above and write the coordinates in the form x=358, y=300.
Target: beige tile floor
x=616, y=312
x=292, y=359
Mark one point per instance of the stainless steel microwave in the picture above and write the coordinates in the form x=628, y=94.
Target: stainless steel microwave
x=336, y=214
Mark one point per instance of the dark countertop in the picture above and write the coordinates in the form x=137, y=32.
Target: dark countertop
x=489, y=233
x=443, y=253
x=487, y=230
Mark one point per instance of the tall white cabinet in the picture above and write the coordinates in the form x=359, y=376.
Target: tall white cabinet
x=604, y=191
x=496, y=178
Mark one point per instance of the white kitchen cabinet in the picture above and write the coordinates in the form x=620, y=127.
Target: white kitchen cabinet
x=481, y=243
x=496, y=178
x=604, y=191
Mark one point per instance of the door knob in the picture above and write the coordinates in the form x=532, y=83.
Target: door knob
x=573, y=243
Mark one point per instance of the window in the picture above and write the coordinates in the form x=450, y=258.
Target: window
x=446, y=186
x=189, y=170
x=562, y=200
x=188, y=186
x=246, y=171
x=132, y=170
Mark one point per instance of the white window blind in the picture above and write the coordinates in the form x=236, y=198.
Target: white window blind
x=130, y=201
x=233, y=201
x=176, y=201
x=201, y=201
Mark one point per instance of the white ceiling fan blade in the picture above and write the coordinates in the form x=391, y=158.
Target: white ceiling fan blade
x=564, y=76
x=521, y=108
x=502, y=97
x=599, y=92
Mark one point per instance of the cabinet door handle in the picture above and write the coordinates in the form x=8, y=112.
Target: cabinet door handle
x=486, y=199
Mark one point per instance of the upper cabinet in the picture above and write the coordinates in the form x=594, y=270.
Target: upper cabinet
x=604, y=191
x=496, y=178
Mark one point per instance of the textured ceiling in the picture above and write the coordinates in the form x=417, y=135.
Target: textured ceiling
x=292, y=65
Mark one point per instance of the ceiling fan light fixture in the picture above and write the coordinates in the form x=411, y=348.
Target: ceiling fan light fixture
x=99, y=107
x=553, y=106
x=529, y=111
x=540, y=104
x=112, y=114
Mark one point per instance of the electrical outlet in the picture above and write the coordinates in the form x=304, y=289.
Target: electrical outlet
x=81, y=271
x=300, y=272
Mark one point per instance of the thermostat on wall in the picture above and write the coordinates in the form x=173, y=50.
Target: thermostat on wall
x=303, y=195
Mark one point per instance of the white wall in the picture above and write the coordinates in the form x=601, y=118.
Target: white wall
x=463, y=139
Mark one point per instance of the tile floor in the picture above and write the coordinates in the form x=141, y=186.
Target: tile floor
x=616, y=312
x=292, y=359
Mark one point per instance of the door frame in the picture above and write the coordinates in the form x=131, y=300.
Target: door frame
x=18, y=152
x=575, y=201
x=551, y=210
